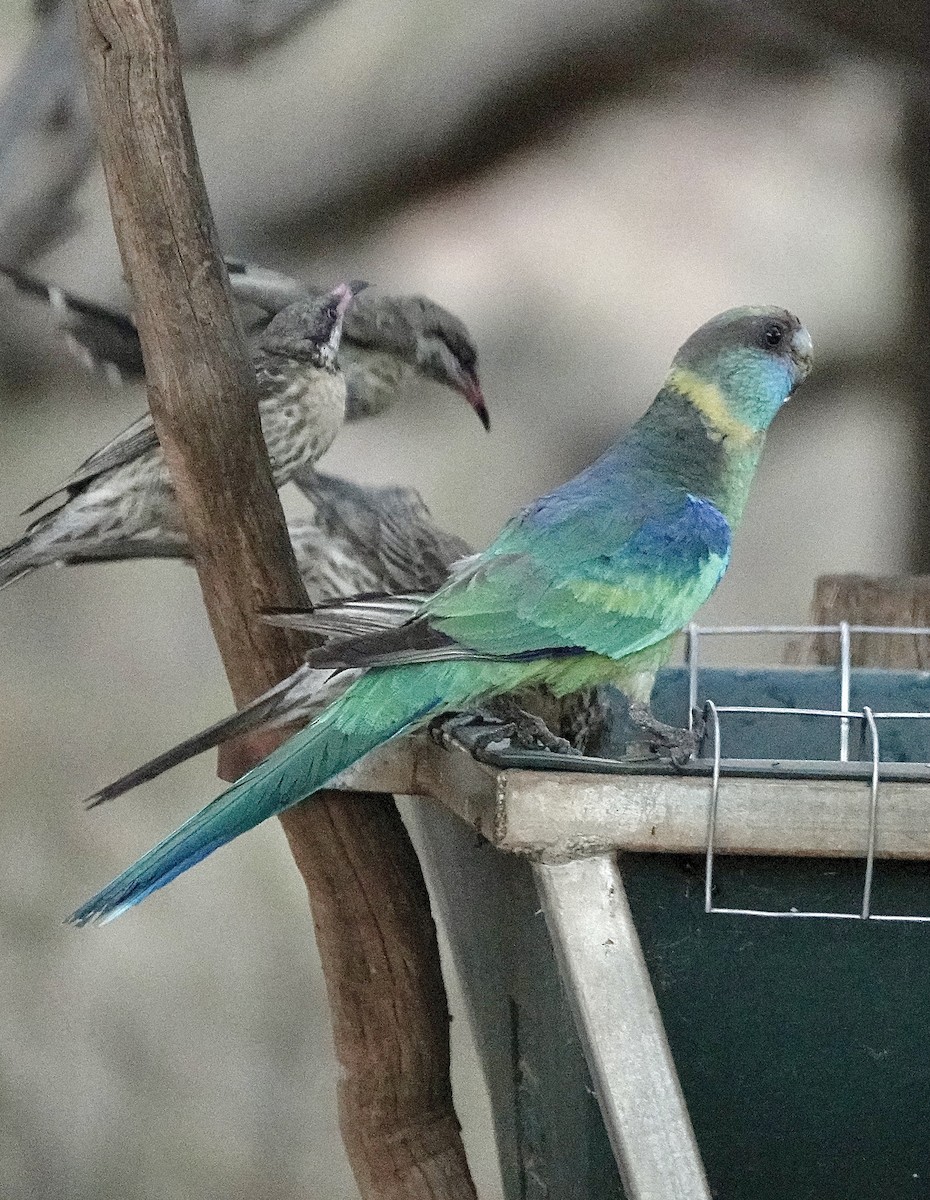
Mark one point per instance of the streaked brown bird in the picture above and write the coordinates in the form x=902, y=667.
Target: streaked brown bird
x=387, y=341
x=123, y=492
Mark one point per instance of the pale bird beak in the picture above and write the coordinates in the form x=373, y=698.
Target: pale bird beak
x=802, y=350
x=344, y=294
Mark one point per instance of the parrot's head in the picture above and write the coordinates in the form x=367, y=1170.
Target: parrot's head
x=741, y=367
x=310, y=330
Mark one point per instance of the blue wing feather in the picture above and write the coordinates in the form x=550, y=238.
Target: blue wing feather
x=547, y=581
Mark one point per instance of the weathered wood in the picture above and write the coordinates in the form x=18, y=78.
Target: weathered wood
x=46, y=134
x=390, y=1018
x=559, y=815
x=201, y=387
x=365, y=887
x=605, y=975
x=869, y=600
x=914, y=175
x=550, y=1137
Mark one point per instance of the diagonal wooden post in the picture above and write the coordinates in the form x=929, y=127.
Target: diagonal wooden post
x=374, y=927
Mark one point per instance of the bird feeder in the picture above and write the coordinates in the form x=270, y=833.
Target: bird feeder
x=711, y=981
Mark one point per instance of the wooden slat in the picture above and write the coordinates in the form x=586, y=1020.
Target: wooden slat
x=610, y=992
x=560, y=815
x=869, y=600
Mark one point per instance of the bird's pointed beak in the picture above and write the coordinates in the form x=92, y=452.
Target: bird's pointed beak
x=344, y=295
x=471, y=390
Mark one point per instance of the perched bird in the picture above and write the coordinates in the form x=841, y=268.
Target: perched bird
x=363, y=539
x=356, y=539
x=587, y=585
x=381, y=542
x=387, y=341
x=123, y=492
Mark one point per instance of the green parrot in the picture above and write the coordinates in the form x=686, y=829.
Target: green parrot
x=587, y=585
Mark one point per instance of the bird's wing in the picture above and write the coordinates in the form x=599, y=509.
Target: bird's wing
x=593, y=579
x=390, y=530
x=99, y=336
x=269, y=290
x=104, y=338
x=127, y=446
x=166, y=543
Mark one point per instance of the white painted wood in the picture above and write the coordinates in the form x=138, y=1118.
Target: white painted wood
x=563, y=814
x=610, y=992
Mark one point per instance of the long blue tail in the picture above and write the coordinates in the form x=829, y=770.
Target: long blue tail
x=373, y=710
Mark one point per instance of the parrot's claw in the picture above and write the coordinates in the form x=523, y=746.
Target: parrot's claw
x=527, y=730
x=506, y=722
x=442, y=729
x=667, y=741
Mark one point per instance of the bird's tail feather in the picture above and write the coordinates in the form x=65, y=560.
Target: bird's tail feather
x=302, y=695
x=350, y=616
x=339, y=737
x=16, y=561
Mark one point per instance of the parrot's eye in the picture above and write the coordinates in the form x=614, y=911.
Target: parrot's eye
x=773, y=335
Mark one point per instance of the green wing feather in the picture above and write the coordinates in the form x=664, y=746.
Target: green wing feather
x=609, y=588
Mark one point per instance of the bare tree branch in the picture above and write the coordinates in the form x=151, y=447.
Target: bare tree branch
x=369, y=903
x=529, y=73
x=46, y=136
x=46, y=140
x=230, y=31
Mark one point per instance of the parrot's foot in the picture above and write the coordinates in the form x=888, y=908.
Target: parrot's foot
x=666, y=741
x=526, y=729
x=506, y=721
x=442, y=729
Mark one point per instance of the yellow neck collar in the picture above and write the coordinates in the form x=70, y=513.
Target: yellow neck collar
x=709, y=400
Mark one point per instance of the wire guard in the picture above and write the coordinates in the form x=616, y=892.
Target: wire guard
x=867, y=720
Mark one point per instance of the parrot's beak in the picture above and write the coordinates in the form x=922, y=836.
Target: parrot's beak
x=802, y=351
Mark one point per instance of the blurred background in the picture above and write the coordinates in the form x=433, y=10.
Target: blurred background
x=583, y=182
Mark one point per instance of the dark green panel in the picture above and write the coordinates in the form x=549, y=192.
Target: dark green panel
x=762, y=736
x=551, y=1140
x=803, y=1046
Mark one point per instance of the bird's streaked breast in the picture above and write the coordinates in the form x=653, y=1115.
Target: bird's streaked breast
x=301, y=417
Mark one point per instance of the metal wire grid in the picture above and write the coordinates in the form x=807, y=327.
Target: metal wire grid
x=844, y=715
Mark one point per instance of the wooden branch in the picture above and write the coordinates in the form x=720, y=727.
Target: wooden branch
x=869, y=600
x=913, y=168
x=378, y=944
x=46, y=141
x=375, y=932
x=231, y=31
x=202, y=390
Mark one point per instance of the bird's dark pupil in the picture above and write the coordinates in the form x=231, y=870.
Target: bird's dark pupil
x=773, y=335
